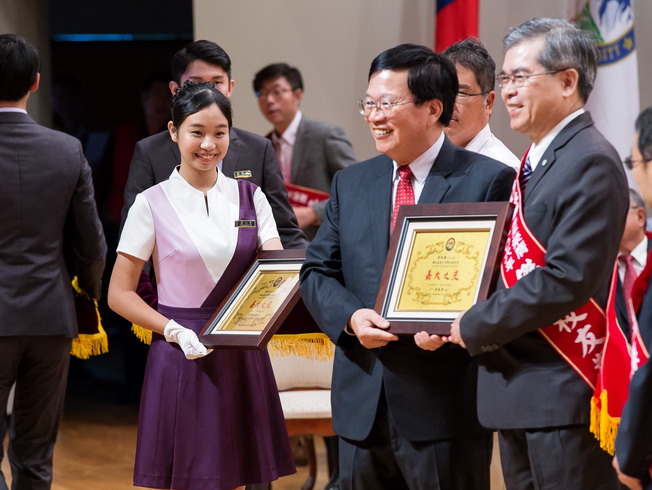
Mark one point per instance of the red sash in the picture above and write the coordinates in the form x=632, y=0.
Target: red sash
x=578, y=337
x=589, y=340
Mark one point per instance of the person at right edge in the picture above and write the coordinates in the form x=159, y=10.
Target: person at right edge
x=633, y=459
x=537, y=338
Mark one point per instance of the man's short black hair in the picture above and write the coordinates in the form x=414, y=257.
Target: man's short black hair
x=276, y=70
x=430, y=75
x=206, y=51
x=19, y=66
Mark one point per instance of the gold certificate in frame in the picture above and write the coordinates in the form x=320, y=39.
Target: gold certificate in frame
x=258, y=304
x=443, y=258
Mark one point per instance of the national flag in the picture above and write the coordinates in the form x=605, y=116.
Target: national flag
x=614, y=102
x=455, y=20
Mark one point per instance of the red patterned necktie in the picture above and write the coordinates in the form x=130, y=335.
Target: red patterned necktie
x=404, y=191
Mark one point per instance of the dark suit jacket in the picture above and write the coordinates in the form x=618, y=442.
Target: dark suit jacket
x=46, y=199
x=575, y=205
x=156, y=156
x=634, y=441
x=430, y=395
x=320, y=150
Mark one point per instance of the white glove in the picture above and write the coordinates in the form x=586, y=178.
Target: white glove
x=187, y=340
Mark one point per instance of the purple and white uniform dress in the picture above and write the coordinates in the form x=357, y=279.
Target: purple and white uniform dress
x=214, y=422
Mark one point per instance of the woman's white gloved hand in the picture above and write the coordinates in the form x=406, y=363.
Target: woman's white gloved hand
x=187, y=340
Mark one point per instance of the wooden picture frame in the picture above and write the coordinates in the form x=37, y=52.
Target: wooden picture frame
x=258, y=304
x=442, y=259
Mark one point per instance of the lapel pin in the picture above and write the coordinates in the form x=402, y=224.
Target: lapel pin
x=242, y=174
x=543, y=163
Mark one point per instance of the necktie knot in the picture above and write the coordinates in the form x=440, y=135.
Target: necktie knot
x=404, y=191
x=404, y=172
x=526, y=173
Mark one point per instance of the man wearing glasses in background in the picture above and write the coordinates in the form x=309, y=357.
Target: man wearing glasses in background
x=406, y=418
x=309, y=152
x=469, y=127
x=536, y=337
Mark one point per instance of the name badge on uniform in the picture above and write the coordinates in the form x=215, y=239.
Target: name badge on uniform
x=242, y=174
x=245, y=223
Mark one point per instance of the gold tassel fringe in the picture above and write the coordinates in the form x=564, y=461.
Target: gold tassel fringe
x=316, y=346
x=87, y=345
x=603, y=426
x=144, y=335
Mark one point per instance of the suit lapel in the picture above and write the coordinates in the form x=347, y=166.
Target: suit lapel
x=229, y=164
x=379, y=201
x=300, y=145
x=549, y=157
x=437, y=184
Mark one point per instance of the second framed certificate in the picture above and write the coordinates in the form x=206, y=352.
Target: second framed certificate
x=443, y=258
x=257, y=306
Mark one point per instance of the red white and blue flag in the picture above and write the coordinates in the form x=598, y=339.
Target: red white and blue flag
x=455, y=20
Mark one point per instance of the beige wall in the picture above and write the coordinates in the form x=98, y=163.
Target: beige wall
x=28, y=18
x=333, y=43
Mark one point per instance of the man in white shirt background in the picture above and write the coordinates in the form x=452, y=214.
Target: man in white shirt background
x=469, y=128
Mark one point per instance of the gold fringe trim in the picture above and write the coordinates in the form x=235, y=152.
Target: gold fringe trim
x=603, y=426
x=315, y=346
x=144, y=335
x=87, y=345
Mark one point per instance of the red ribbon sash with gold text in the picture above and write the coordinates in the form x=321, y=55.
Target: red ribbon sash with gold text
x=579, y=336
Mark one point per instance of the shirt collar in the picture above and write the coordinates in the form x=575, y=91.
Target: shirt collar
x=421, y=165
x=639, y=254
x=479, y=140
x=289, y=136
x=12, y=109
x=181, y=184
x=537, y=150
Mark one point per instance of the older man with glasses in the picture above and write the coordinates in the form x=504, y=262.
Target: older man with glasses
x=469, y=126
x=538, y=338
x=406, y=418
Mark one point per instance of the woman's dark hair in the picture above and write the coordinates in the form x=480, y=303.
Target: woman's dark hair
x=192, y=97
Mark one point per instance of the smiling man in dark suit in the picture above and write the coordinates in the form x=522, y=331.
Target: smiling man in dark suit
x=250, y=156
x=406, y=417
x=46, y=200
x=538, y=338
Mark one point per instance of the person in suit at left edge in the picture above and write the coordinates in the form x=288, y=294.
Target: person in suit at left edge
x=46, y=201
x=405, y=417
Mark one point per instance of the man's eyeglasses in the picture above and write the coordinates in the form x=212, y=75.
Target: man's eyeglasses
x=276, y=93
x=630, y=163
x=383, y=107
x=463, y=97
x=518, y=79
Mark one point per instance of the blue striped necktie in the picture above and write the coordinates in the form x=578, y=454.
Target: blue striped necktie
x=526, y=173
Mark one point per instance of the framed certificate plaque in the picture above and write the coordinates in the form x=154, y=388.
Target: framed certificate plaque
x=443, y=258
x=258, y=304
